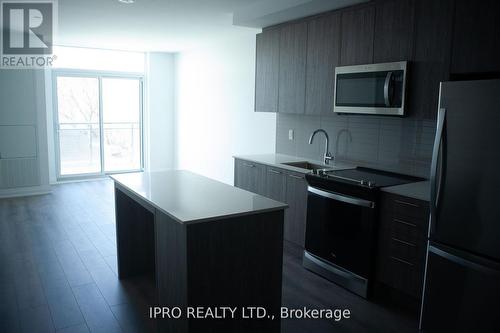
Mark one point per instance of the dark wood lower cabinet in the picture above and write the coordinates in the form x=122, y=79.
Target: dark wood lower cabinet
x=250, y=176
x=402, y=243
x=296, y=214
x=281, y=185
x=275, y=184
x=233, y=261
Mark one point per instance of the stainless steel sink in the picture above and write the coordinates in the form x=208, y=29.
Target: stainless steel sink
x=306, y=165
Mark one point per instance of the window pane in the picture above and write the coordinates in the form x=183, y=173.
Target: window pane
x=78, y=99
x=120, y=100
x=121, y=117
x=78, y=114
x=79, y=149
x=122, y=147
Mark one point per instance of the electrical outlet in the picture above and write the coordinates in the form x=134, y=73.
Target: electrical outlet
x=290, y=134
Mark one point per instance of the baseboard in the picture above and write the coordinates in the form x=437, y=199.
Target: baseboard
x=25, y=191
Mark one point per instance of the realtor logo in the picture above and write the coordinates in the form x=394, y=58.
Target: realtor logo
x=27, y=33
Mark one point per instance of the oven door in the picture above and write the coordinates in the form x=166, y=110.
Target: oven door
x=340, y=230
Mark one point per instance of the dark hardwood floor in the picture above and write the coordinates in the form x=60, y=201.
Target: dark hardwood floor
x=58, y=273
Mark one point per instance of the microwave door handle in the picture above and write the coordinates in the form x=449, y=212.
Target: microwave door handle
x=386, y=89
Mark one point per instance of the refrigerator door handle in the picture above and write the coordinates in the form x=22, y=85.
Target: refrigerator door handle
x=437, y=156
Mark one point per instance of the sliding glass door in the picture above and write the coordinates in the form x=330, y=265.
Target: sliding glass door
x=98, y=124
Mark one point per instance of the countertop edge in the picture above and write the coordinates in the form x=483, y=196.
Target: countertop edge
x=125, y=189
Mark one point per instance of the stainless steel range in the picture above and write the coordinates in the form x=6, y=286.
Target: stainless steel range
x=342, y=221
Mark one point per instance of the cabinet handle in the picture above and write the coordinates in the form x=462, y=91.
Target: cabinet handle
x=275, y=171
x=403, y=242
x=402, y=261
x=249, y=165
x=297, y=177
x=404, y=222
x=406, y=203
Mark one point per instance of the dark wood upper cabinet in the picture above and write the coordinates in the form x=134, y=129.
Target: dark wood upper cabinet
x=357, y=26
x=267, y=71
x=476, y=41
x=292, y=68
x=323, y=53
x=431, y=56
x=393, y=30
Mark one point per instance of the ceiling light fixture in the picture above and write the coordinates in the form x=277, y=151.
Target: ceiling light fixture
x=126, y=1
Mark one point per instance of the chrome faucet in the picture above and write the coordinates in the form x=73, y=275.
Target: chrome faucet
x=327, y=157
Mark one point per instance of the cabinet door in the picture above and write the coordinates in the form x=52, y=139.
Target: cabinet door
x=357, y=27
x=393, y=30
x=476, y=46
x=323, y=52
x=431, y=57
x=295, y=215
x=267, y=71
x=275, y=184
x=292, y=67
x=250, y=176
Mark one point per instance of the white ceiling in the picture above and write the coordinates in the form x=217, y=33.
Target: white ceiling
x=154, y=25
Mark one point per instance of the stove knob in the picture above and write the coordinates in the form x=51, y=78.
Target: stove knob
x=363, y=182
x=371, y=184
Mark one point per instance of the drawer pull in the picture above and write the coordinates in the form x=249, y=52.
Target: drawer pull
x=402, y=261
x=275, y=171
x=403, y=242
x=249, y=165
x=404, y=222
x=406, y=203
x=296, y=177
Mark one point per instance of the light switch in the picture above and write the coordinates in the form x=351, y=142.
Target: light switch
x=290, y=134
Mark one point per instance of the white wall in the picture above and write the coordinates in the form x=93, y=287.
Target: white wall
x=214, y=108
x=159, y=115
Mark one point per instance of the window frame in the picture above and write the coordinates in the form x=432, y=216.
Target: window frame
x=99, y=75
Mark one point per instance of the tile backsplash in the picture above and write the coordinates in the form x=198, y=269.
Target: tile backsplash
x=400, y=145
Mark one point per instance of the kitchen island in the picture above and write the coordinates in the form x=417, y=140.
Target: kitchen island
x=205, y=243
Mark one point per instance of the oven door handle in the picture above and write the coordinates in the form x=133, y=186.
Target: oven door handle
x=342, y=197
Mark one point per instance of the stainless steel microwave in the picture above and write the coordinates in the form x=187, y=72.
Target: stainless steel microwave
x=371, y=89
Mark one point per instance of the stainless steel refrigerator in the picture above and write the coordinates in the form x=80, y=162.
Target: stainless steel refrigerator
x=462, y=276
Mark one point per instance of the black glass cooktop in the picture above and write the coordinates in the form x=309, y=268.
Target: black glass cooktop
x=371, y=178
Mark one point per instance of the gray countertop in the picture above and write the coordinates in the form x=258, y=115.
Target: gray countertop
x=418, y=190
x=277, y=160
x=189, y=198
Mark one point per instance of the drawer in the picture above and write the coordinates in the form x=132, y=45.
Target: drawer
x=410, y=209
x=405, y=251
x=405, y=277
x=400, y=274
x=406, y=230
x=410, y=250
